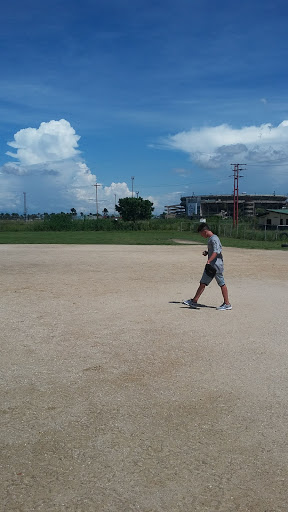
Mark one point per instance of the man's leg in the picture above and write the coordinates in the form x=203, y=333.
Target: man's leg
x=205, y=280
x=199, y=292
x=224, y=291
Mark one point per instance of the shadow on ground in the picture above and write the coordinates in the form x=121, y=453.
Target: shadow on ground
x=199, y=305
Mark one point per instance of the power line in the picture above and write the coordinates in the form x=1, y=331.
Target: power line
x=25, y=206
x=236, y=177
x=96, y=187
x=269, y=164
x=208, y=180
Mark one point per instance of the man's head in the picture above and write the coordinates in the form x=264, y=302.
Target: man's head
x=204, y=230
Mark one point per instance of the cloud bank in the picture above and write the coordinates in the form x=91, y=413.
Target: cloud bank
x=214, y=147
x=49, y=167
x=50, y=142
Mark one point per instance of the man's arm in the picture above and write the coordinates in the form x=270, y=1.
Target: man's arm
x=216, y=249
x=212, y=257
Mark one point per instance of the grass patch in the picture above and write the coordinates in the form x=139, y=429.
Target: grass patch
x=92, y=237
x=252, y=244
x=125, y=238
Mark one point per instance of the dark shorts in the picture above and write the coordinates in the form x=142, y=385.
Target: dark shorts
x=205, y=279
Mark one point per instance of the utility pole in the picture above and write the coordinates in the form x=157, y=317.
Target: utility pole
x=96, y=187
x=132, y=178
x=137, y=194
x=236, y=177
x=25, y=207
x=115, y=203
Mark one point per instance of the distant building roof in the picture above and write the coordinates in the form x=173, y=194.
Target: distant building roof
x=282, y=210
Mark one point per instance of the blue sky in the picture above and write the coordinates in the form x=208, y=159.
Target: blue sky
x=169, y=92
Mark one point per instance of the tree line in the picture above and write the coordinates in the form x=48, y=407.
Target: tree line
x=129, y=209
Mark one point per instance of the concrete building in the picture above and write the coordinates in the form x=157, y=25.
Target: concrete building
x=223, y=204
x=277, y=219
x=175, y=210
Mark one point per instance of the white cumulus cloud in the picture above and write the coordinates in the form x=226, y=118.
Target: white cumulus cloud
x=50, y=142
x=213, y=147
x=49, y=167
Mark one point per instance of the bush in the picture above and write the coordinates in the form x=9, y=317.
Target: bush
x=58, y=222
x=66, y=222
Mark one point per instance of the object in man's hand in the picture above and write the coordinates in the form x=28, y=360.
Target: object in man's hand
x=210, y=271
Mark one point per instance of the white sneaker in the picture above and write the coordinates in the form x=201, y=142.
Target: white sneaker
x=189, y=302
x=224, y=307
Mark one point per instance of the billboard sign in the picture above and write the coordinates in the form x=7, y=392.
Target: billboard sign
x=193, y=206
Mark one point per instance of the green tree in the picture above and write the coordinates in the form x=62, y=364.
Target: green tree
x=59, y=222
x=135, y=208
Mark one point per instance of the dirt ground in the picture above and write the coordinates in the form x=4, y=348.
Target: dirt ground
x=115, y=397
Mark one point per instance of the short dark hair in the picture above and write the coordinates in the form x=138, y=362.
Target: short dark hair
x=202, y=226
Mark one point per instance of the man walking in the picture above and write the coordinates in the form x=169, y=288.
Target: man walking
x=213, y=268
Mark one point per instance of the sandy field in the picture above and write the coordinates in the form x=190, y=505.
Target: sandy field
x=115, y=397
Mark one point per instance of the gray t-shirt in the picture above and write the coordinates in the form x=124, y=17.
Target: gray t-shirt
x=214, y=245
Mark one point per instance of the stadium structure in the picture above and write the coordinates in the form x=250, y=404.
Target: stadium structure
x=223, y=205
